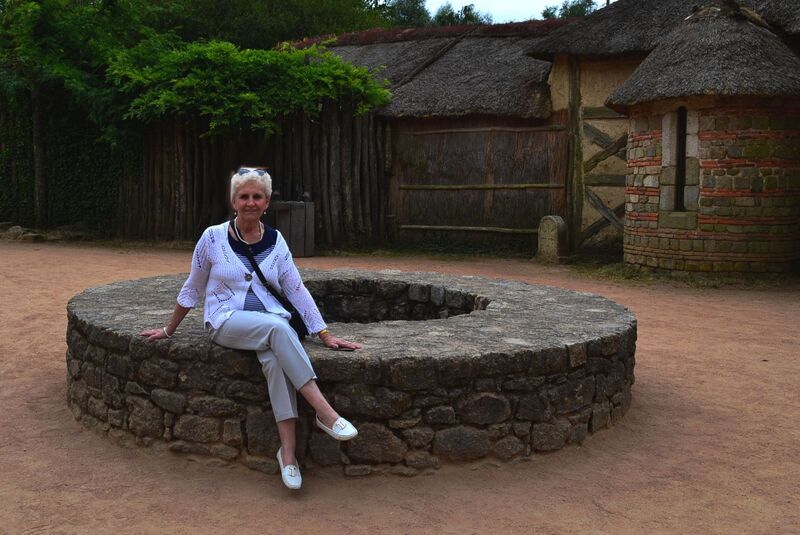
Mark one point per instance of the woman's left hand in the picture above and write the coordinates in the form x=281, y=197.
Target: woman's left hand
x=341, y=344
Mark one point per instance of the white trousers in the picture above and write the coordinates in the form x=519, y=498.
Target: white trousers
x=283, y=359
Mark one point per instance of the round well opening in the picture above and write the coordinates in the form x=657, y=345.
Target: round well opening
x=370, y=300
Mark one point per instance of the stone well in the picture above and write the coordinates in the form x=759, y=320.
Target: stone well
x=453, y=369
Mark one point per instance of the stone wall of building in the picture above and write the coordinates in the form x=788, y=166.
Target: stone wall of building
x=742, y=194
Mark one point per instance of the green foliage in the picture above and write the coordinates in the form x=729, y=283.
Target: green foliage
x=569, y=8
x=104, y=67
x=404, y=13
x=447, y=16
x=231, y=88
x=259, y=23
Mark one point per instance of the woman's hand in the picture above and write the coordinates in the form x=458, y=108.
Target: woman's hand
x=338, y=343
x=155, y=334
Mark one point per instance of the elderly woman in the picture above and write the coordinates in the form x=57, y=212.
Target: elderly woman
x=241, y=312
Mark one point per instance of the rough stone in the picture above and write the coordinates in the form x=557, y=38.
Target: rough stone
x=152, y=373
x=404, y=423
x=578, y=433
x=419, y=292
x=324, y=450
x=168, y=400
x=97, y=408
x=522, y=429
x=145, y=419
x=376, y=444
x=232, y=433
x=412, y=374
x=246, y=391
x=442, y=415
x=498, y=430
x=507, y=448
x=211, y=406
x=532, y=408
x=405, y=471
x=461, y=443
x=118, y=365
x=572, y=395
x=422, y=460
x=268, y=465
x=197, y=428
x=371, y=402
x=418, y=437
x=357, y=470
x=549, y=361
x=116, y=417
x=485, y=408
x=262, y=434
x=549, y=437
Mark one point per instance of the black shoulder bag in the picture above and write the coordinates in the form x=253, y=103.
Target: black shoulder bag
x=295, y=322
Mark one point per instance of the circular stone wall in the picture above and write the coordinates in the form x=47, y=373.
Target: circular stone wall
x=452, y=369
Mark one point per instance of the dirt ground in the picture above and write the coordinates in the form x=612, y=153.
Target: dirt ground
x=710, y=444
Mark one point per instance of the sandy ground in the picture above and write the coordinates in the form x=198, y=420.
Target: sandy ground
x=710, y=444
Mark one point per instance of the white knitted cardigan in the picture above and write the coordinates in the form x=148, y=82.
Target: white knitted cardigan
x=219, y=274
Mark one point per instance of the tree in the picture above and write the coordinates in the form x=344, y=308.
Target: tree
x=405, y=13
x=569, y=8
x=447, y=16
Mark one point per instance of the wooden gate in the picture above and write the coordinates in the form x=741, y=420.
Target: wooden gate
x=476, y=181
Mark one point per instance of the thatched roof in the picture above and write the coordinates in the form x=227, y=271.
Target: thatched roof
x=716, y=51
x=636, y=26
x=483, y=76
x=393, y=61
x=457, y=70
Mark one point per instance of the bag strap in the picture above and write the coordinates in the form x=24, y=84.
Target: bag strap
x=252, y=258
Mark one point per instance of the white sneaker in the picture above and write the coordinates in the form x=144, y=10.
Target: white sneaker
x=340, y=430
x=290, y=474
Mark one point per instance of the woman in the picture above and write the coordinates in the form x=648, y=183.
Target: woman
x=242, y=313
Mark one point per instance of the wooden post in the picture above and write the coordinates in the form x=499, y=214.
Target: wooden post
x=334, y=174
x=575, y=163
x=345, y=145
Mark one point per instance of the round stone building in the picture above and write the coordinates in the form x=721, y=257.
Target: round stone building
x=713, y=178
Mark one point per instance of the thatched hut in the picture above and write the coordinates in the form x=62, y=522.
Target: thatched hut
x=591, y=57
x=713, y=149
x=473, y=151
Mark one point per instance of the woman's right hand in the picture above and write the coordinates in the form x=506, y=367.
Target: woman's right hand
x=154, y=334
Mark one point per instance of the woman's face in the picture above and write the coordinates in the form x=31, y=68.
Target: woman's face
x=250, y=201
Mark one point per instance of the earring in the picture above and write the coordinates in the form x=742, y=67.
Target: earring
x=235, y=213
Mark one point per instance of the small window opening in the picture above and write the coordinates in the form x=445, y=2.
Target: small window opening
x=680, y=161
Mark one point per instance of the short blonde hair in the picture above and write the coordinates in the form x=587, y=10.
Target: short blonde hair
x=258, y=175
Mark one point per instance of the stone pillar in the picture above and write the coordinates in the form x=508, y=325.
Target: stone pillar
x=552, y=240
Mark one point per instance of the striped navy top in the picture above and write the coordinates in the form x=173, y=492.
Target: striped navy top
x=261, y=251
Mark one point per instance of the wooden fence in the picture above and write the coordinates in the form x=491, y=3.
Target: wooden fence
x=475, y=179
x=335, y=160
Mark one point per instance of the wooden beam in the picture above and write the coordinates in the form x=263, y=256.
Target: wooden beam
x=605, y=180
x=574, y=191
x=470, y=229
x=546, y=128
x=602, y=223
x=597, y=136
x=459, y=187
x=598, y=204
x=606, y=153
x=600, y=112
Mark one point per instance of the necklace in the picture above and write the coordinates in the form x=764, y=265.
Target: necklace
x=239, y=235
